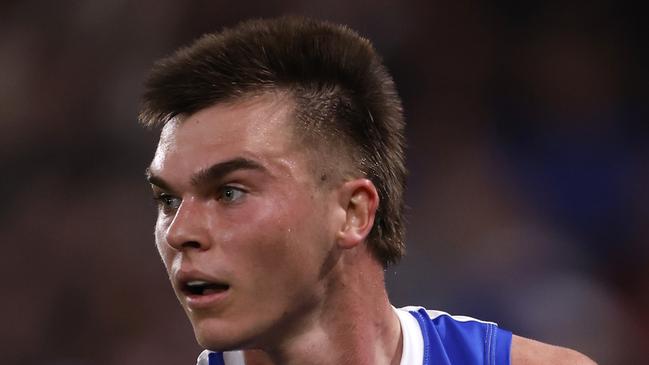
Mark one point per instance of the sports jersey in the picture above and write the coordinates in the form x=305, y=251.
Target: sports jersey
x=429, y=338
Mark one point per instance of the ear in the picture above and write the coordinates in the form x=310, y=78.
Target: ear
x=360, y=200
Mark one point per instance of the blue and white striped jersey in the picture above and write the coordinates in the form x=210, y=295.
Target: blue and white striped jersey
x=429, y=338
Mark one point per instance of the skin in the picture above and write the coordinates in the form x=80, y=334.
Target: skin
x=530, y=352
x=240, y=202
x=291, y=248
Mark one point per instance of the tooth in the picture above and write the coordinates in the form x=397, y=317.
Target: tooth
x=197, y=282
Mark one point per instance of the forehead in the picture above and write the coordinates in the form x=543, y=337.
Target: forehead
x=259, y=127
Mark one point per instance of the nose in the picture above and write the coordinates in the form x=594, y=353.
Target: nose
x=189, y=228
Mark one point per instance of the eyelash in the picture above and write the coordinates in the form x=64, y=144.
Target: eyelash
x=166, y=201
x=226, y=188
x=163, y=201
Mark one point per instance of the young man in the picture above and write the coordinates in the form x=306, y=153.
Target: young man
x=279, y=177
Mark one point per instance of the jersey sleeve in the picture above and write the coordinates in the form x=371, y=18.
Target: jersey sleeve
x=452, y=340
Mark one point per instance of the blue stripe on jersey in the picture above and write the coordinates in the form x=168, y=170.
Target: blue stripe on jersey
x=448, y=341
x=425, y=332
x=216, y=358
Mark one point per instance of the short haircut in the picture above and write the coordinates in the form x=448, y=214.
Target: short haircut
x=344, y=96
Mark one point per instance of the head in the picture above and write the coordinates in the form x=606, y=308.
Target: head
x=346, y=103
x=284, y=119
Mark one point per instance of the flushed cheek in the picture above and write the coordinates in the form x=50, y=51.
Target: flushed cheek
x=278, y=257
x=163, y=249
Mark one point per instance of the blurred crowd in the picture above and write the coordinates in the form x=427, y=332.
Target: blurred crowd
x=528, y=155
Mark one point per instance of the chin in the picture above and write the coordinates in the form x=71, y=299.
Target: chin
x=216, y=343
x=218, y=337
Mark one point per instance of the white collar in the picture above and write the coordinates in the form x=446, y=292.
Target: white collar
x=412, y=352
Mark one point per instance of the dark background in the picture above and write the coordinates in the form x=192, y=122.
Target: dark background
x=528, y=199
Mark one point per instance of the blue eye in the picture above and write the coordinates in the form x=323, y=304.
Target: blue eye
x=168, y=203
x=230, y=194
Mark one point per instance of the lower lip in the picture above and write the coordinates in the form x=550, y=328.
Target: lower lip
x=206, y=301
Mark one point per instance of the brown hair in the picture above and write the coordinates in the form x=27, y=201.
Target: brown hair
x=343, y=93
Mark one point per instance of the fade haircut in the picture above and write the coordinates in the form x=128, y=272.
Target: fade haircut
x=344, y=97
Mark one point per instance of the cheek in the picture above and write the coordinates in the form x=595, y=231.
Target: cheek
x=161, y=244
x=284, y=240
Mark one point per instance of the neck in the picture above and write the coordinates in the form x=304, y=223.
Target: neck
x=355, y=324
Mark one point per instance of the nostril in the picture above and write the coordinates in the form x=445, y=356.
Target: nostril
x=191, y=244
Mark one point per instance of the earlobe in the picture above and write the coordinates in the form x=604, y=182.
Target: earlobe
x=360, y=200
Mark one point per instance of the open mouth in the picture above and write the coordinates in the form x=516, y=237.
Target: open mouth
x=200, y=288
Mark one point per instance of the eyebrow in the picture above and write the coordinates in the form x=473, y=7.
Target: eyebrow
x=156, y=180
x=222, y=169
x=214, y=172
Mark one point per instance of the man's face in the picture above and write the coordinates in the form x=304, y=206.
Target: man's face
x=245, y=232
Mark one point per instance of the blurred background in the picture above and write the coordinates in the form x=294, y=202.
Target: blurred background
x=528, y=150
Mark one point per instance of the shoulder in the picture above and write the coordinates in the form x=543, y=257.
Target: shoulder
x=530, y=352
